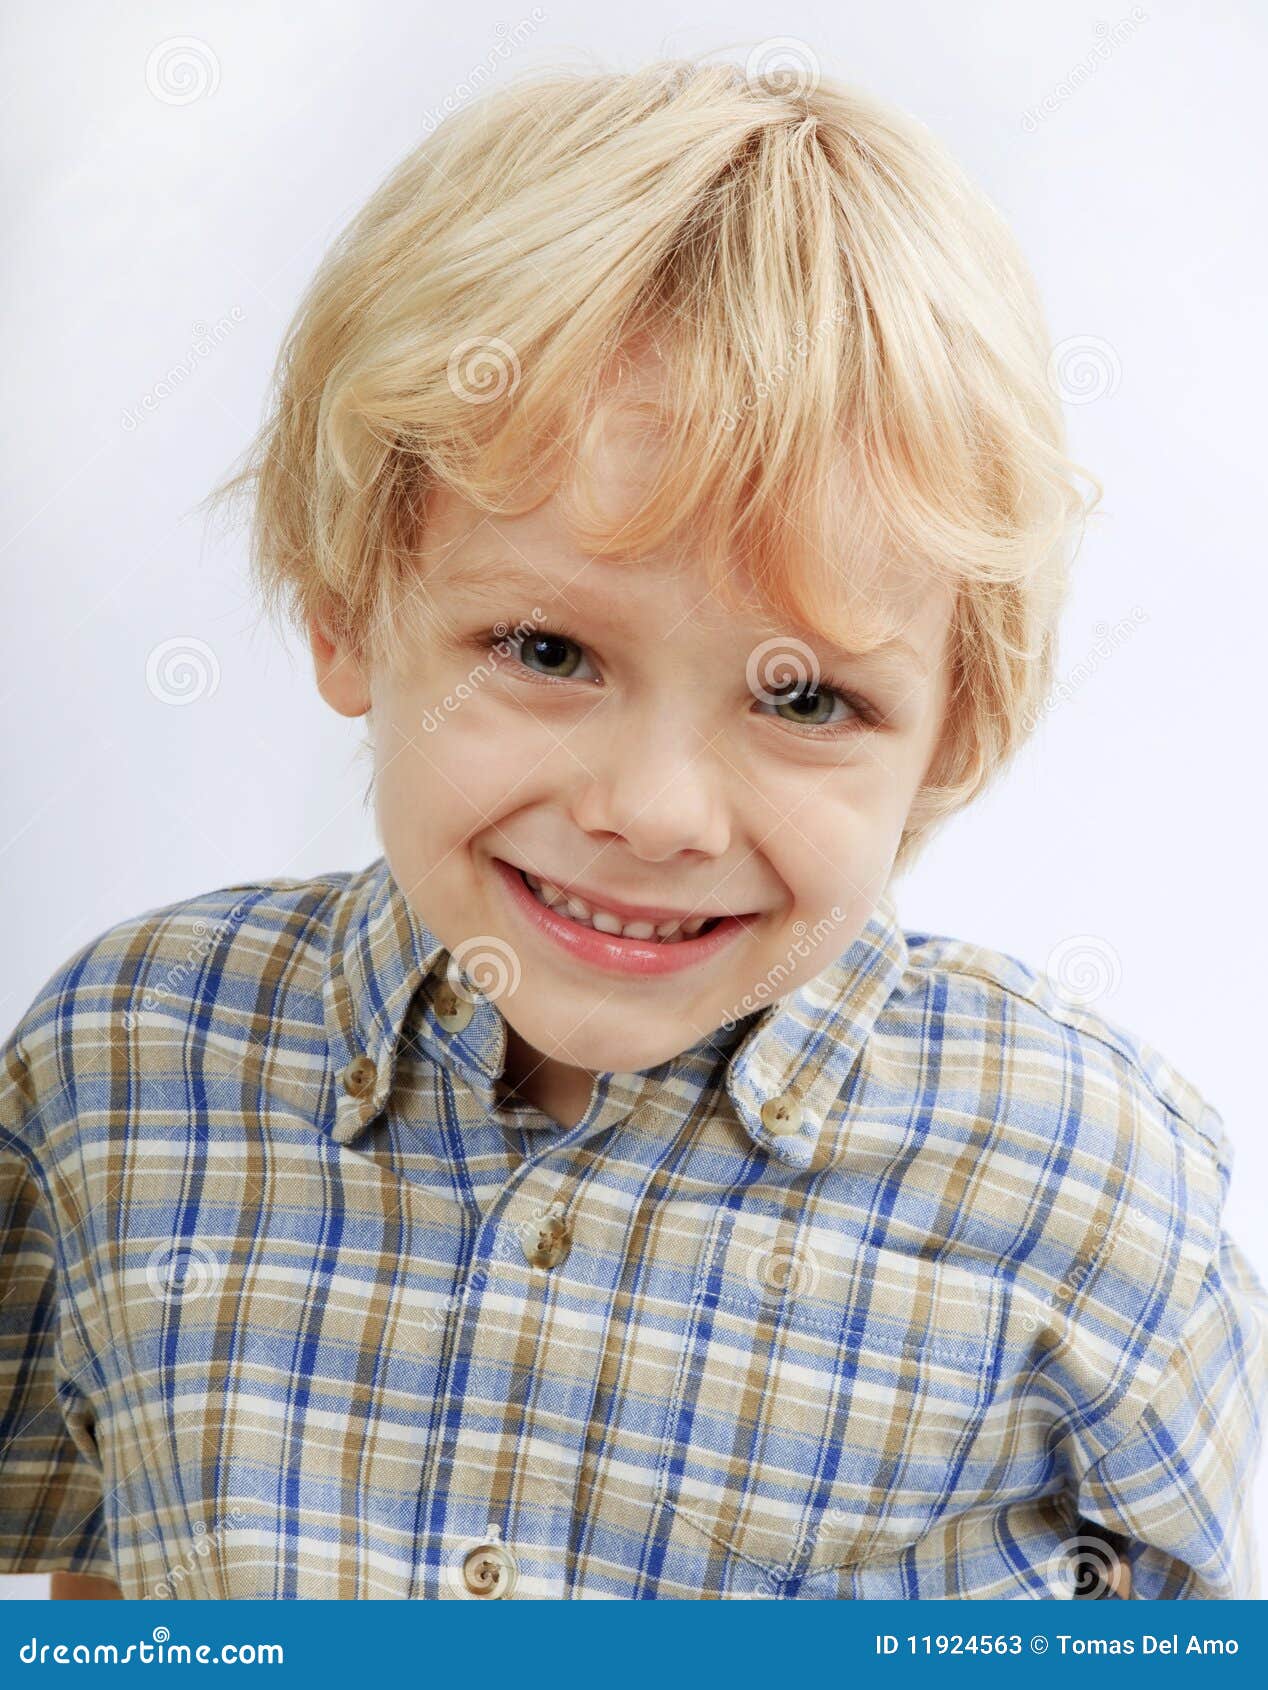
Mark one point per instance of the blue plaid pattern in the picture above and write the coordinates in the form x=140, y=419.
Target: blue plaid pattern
x=269, y=1327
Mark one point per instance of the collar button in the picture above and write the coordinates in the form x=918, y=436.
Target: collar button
x=453, y=1012
x=782, y=1115
x=359, y=1077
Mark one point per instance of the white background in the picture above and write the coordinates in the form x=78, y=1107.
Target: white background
x=134, y=224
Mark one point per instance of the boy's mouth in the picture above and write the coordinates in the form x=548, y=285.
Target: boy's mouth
x=612, y=940
x=607, y=921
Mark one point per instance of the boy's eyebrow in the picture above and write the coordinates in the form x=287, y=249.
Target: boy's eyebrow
x=484, y=572
x=897, y=654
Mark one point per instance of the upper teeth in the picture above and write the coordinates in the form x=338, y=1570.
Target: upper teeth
x=668, y=932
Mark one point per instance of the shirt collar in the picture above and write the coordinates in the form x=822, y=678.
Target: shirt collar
x=798, y=1052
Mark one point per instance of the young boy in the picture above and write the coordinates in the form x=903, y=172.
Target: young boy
x=602, y=1194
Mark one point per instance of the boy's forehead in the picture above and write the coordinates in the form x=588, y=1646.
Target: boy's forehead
x=469, y=552
x=532, y=561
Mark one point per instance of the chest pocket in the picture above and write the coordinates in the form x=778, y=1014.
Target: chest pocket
x=828, y=1399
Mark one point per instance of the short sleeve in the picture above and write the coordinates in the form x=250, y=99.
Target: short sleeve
x=51, y=1517
x=1179, y=1486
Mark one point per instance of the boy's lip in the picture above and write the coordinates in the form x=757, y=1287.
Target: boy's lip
x=611, y=952
x=620, y=906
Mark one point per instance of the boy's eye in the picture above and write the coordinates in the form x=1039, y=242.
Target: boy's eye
x=561, y=657
x=549, y=654
x=811, y=707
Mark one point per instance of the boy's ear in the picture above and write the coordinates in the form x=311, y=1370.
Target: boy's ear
x=341, y=680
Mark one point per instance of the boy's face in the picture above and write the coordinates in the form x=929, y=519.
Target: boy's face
x=594, y=723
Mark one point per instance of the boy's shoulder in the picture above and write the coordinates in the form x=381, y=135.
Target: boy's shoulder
x=199, y=961
x=1101, y=1170
x=148, y=956
x=1079, y=1125
x=1011, y=1005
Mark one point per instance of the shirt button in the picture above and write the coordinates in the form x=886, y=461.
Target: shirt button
x=453, y=1012
x=547, y=1238
x=359, y=1077
x=489, y=1569
x=781, y=1114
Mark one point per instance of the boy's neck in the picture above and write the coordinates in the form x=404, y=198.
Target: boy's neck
x=561, y=1092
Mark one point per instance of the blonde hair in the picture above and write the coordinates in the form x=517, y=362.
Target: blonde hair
x=831, y=297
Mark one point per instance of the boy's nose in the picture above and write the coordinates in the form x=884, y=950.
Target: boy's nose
x=657, y=807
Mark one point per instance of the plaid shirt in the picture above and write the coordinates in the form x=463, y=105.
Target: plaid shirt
x=901, y=1287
